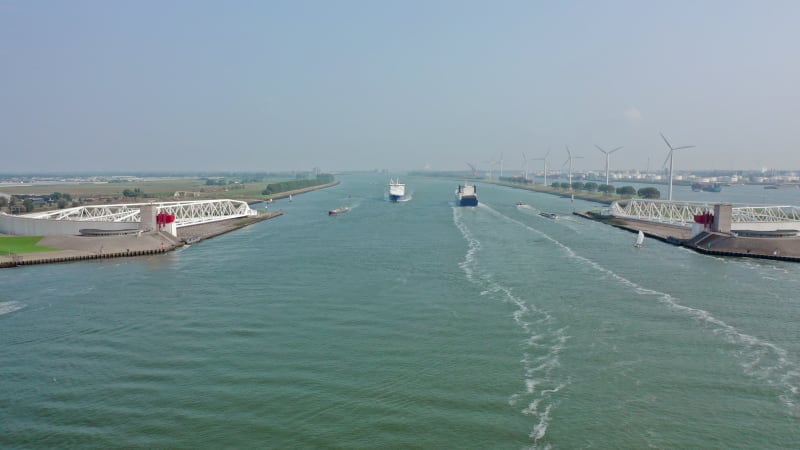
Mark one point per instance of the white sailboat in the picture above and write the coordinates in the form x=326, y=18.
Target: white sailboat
x=639, y=240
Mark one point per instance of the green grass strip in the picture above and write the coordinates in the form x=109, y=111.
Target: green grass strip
x=22, y=244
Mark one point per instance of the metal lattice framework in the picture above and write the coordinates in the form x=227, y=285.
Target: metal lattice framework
x=186, y=213
x=682, y=213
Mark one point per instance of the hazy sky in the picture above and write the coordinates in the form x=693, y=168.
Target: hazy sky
x=282, y=85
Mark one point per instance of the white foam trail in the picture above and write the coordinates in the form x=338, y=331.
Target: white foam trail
x=10, y=307
x=759, y=358
x=546, y=341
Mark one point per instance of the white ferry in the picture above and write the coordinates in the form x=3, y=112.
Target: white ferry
x=397, y=191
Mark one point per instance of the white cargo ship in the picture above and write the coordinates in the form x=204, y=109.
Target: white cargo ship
x=467, y=195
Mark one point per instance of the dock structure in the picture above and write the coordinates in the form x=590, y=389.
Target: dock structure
x=769, y=232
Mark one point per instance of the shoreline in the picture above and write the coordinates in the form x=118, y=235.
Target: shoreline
x=707, y=242
x=80, y=248
x=285, y=194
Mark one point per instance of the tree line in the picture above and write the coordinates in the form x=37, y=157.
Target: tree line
x=608, y=189
x=26, y=202
x=283, y=186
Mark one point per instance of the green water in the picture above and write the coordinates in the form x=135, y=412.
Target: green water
x=413, y=325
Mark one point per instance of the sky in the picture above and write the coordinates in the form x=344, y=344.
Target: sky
x=271, y=85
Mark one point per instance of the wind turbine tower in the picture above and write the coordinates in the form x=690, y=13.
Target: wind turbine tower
x=607, y=153
x=525, y=167
x=669, y=157
x=545, y=165
x=569, y=160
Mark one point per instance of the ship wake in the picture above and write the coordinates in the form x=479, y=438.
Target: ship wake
x=758, y=358
x=543, y=343
x=10, y=307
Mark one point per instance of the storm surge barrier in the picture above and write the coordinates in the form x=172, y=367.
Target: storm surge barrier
x=186, y=213
x=763, y=218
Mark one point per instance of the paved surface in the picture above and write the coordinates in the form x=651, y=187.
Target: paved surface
x=721, y=244
x=658, y=230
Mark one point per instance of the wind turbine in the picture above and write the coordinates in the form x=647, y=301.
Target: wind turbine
x=492, y=163
x=501, y=166
x=545, y=165
x=669, y=157
x=569, y=160
x=525, y=173
x=608, y=153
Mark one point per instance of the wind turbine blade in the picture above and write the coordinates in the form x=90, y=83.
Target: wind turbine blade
x=524, y=158
x=612, y=151
x=600, y=148
x=565, y=162
x=685, y=146
x=568, y=152
x=666, y=141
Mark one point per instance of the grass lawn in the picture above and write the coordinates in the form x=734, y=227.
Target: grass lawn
x=22, y=244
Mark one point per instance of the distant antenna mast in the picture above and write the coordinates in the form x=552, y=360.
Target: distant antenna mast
x=669, y=157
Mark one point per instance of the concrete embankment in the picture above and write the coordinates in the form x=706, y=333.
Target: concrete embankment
x=722, y=244
x=662, y=232
x=707, y=242
x=203, y=231
x=78, y=248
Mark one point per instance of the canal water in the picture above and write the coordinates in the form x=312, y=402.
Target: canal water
x=413, y=325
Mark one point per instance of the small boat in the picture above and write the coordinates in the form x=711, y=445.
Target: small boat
x=467, y=195
x=549, y=215
x=520, y=203
x=337, y=211
x=707, y=187
x=639, y=240
x=290, y=198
